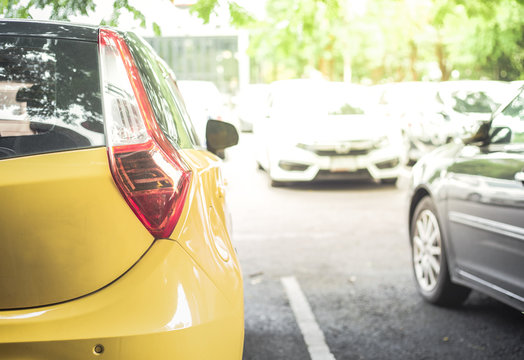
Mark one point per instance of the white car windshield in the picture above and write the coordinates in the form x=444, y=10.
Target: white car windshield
x=317, y=102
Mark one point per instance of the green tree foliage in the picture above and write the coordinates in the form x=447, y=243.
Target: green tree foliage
x=373, y=40
x=60, y=9
x=485, y=37
x=299, y=36
x=383, y=40
x=64, y=9
x=206, y=8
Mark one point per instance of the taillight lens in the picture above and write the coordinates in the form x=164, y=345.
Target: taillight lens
x=145, y=166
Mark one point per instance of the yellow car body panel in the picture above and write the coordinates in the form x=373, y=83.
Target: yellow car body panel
x=164, y=307
x=182, y=299
x=114, y=231
x=65, y=229
x=206, y=210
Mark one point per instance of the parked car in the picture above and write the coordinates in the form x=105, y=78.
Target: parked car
x=413, y=107
x=114, y=238
x=469, y=103
x=517, y=83
x=466, y=215
x=320, y=130
x=432, y=114
x=250, y=105
x=204, y=102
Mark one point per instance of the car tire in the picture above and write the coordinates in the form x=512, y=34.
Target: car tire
x=429, y=258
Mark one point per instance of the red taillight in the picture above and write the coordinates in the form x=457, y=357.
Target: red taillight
x=146, y=167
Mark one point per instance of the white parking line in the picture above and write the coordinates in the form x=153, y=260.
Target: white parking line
x=313, y=336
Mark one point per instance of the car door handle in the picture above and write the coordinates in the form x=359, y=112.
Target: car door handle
x=519, y=176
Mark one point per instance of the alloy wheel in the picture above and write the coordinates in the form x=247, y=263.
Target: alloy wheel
x=427, y=250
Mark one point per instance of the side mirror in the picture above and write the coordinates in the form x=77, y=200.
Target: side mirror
x=220, y=135
x=500, y=135
x=481, y=136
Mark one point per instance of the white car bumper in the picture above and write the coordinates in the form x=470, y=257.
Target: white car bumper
x=295, y=165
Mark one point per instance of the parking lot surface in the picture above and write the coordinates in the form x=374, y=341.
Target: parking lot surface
x=346, y=246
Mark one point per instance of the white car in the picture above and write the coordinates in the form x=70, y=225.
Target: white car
x=319, y=130
x=432, y=114
x=250, y=103
x=203, y=101
x=473, y=101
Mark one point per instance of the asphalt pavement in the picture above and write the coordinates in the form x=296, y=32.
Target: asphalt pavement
x=346, y=246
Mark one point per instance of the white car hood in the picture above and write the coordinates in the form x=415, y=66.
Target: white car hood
x=336, y=129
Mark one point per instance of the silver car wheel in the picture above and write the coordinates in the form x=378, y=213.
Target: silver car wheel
x=427, y=250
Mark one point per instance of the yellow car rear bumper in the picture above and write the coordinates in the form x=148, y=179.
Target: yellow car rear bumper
x=163, y=307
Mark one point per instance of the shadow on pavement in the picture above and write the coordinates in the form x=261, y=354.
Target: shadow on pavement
x=356, y=185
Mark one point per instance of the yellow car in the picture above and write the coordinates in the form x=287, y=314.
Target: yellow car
x=114, y=232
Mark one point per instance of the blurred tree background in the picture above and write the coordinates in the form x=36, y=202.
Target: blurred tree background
x=387, y=40
x=359, y=40
x=63, y=9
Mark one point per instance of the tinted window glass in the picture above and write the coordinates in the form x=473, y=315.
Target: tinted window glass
x=159, y=92
x=49, y=96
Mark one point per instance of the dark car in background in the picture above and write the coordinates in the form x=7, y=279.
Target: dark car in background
x=466, y=214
